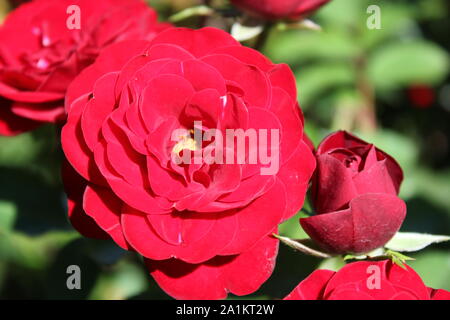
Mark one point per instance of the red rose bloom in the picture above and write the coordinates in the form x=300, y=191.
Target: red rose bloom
x=204, y=229
x=354, y=193
x=276, y=9
x=366, y=280
x=40, y=55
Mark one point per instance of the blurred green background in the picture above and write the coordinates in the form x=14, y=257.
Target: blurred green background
x=390, y=85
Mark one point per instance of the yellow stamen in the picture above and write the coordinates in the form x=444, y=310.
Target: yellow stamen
x=184, y=143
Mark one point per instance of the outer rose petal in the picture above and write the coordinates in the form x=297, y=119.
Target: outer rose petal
x=257, y=219
x=313, y=287
x=406, y=281
x=240, y=275
x=111, y=59
x=296, y=181
x=105, y=208
x=439, y=294
x=354, y=273
x=172, y=238
x=370, y=222
x=197, y=42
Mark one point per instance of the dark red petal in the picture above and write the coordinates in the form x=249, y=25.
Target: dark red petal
x=370, y=222
x=333, y=186
x=11, y=124
x=375, y=179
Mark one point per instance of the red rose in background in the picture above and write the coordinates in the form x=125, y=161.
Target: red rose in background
x=40, y=56
x=204, y=229
x=354, y=193
x=276, y=9
x=366, y=280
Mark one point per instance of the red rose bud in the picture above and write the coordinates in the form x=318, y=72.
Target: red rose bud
x=354, y=193
x=276, y=9
x=366, y=280
x=45, y=44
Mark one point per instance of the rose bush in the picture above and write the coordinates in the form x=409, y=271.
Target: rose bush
x=204, y=229
x=354, y=193
x=276, y=9
x=356, y=281
x=40, y=55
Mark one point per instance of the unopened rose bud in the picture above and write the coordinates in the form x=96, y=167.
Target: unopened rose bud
x=354, y=193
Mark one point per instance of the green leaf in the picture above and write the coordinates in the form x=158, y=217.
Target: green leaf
x=122, y=281
x=410, y=242
x=398, y=258
x=432, y=266
x=299, y=46
x=403, y=148
x=292, y=228
x=319, y=79
x=8, y=212
x=403, y=63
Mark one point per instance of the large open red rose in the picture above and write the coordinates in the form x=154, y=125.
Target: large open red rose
x=204, y=228
x=40, y=55
x=366, y=280
x=354, y=193
x=279, y=9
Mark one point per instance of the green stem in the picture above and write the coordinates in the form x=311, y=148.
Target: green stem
x=302, y=248
x=191, y=12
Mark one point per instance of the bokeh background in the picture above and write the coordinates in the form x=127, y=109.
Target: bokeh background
x=391, y=86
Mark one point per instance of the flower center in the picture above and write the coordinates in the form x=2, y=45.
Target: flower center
x=185, y=143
